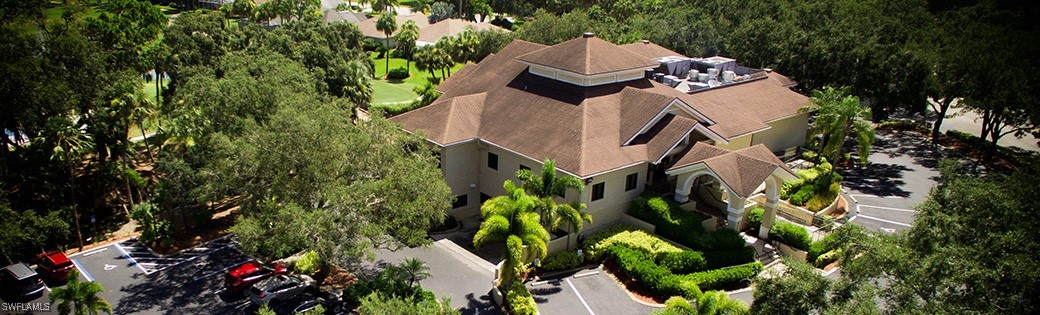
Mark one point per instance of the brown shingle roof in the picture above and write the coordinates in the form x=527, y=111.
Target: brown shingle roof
x=368, y=27
x=650, y=50
x=581, y=128
x=588, y=56
x=742, y=170
x=763, y=100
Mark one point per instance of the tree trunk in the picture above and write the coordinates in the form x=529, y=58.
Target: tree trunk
x=387, y=74
x=944, y=107
x=147, y=146
x=72, y=198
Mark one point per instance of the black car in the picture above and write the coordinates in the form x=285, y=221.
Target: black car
x=20, y=281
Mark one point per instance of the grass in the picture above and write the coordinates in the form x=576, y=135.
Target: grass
x=397, y=93
x=150, y=91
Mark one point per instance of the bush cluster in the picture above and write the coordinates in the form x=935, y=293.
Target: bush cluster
x=731, y=257
x=715, y=279
x=309, y=263
x=754, y=217
x=630, y=237
x=828, y=249
x=520, y=300
x=681, y=226
x=815, y=188
x=641, y=266
x=561, y=261
x=400, y=73
x=790, y=234
x=683, y=262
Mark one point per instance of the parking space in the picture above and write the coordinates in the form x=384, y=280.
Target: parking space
x=584, y=292
x=454, y=272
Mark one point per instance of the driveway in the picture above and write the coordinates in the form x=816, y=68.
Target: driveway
x=454, y=272
x=970, y=122
x=902, y=169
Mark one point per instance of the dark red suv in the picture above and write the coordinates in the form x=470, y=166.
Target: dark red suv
x=243, y=276
x=54, y=265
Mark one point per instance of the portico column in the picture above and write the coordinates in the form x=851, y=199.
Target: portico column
x=768, y=216
x=735, y=211
x=682, y=189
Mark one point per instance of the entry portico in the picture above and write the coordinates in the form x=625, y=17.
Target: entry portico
x=741, y=173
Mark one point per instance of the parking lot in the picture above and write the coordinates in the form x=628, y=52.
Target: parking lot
x=589, y=291
x=137, y=281
x=902, y=170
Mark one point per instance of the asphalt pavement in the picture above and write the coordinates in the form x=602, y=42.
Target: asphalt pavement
x=589, y=291
x=454, y=272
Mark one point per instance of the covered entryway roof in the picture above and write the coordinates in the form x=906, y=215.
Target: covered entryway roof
x=742, y=171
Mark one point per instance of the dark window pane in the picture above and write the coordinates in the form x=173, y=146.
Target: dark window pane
x=484, y=197
x=597, y=191
x=631, y=181
x=460, y=201
x=524, y=167
x=492, y=161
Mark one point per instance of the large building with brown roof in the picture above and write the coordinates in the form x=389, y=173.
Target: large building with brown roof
x=600, y=112
x=429, y=33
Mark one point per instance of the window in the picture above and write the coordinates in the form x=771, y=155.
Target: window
x=460, y=201
x=631, y=181
x=484, y=197
x=522, y=167
x=562, y=194
x=597, y=191
x=492, y=161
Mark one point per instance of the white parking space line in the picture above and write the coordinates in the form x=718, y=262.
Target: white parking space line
x=889, y=208
x=86, y=274
x=90, y=252
x=883, y=220
x=219, y=271
x=130, y=258
x=579, y=297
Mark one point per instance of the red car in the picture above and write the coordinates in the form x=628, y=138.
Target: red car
x=55, y=266
x=243, y=276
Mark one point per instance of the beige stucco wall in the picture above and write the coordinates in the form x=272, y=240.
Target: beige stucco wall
x=785, y=133
x=615, y=199
x=460, y=166
x=736, y=143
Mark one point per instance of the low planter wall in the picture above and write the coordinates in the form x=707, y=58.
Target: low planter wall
x=563, y=243
x=792, y=252
x=633, y=221
x=830, y=208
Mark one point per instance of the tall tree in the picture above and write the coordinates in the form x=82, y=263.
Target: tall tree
x=801, y=290
x=79, y=298
x=387, y=24
x=69, y=144
x=512, y=218
x=406, y=40
x=546, y=187
x=384, y=6
x=840, y=116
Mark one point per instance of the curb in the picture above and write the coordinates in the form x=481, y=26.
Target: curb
x=480, y=262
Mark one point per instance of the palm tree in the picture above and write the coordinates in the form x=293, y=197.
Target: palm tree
x=511, y=217
x=79, y=297
x=422, y=6
x=839, y=116
x=708, y=303
x=384, y=5
x=69, y=144
x=415, y=269
x=546, y=187
x=406, y=39
x=387, y=24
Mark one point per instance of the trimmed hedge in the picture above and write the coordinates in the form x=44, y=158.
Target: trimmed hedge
x=641, y=266
x=628, y=236
x=397, y=74
x=790, y=234
x=561, y=261
x=725, y=258
x=714, y=279
x=520, y=300
x=681, y=226
x=683, y=262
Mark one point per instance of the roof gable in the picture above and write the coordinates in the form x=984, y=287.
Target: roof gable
x=587, y=56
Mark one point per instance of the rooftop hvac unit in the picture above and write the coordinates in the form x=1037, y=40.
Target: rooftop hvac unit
x=693, y=74
x=728, y=76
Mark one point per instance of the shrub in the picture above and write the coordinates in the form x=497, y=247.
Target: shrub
x=370, y=45
x=816, y=249
x=397, y=74
x=754, y=217
x=714, y=279
x=682, y=262
x=309, y=263
x=502, y=22
x=827, y=258
x=561, y=261
x=520, y=300
x=790, y=234
x=731, y=257
x=628, y=236
x=681, y=226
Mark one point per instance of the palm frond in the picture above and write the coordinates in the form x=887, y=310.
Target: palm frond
x=494, y=228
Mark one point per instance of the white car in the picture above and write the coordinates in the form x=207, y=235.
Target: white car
x=280, y=288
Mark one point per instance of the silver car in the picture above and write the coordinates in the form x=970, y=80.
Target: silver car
x=280, y=288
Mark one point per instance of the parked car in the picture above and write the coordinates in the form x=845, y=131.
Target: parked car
x=333, y=305
x=55, y=266
x=22, y=281
x=243, y=276
x=280, y=288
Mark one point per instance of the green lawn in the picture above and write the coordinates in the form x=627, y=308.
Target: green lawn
x=386, y=93
x=150, y=91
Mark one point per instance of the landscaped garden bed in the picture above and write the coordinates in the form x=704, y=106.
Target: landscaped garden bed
x=815, y=189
